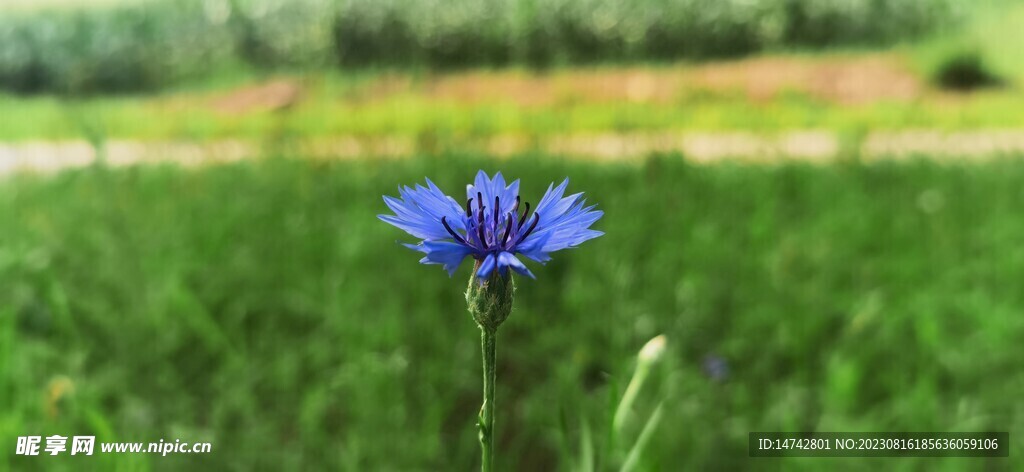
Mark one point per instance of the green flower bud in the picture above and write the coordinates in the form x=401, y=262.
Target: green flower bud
x=653, y=350
x=490, y=303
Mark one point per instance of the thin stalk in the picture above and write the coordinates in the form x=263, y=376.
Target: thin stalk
x=486, y=422
x=641, y=442
x=632, y=390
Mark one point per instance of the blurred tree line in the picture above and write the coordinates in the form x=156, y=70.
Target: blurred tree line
x=137, y=45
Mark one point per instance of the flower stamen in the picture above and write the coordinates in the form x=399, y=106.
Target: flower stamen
x=508, y=230
x=452, y=232
x=496, y=221
x=536, y=219
x=523, y=218
x=483, y=242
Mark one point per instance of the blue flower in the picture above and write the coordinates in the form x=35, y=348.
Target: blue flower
x=493, y=227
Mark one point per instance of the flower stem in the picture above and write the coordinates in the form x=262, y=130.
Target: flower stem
x=626, y=404
x=486, y=422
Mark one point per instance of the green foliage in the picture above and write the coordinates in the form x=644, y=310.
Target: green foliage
x=124, y=48
x=284, y=33
x=575, y=31
x=830, y=22
x=138, y=46
x=261, y=307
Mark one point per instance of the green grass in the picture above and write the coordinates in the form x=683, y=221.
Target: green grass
x=262, y=307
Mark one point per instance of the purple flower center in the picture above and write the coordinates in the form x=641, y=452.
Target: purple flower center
x=497, y=233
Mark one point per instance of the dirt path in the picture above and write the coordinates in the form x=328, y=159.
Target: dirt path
x=800, y=145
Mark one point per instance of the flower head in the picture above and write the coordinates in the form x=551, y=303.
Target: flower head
x=493, y=226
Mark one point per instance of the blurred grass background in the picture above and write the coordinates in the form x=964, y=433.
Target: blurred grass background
x=262, y=307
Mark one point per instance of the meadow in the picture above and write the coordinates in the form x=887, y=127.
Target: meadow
x=262, y=307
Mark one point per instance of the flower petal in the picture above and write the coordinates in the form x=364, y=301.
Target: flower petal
x=482, y=185
x=420, y=210
x=533, y=246
x=506, y=259
x=552, y=196
x=416, y=228
x=442, y=252
x=486, y=268
x=508, y=196
x=572, y=231
x=564, y=223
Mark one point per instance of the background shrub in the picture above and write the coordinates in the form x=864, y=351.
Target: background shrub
x=125, y=48
x=285, y=33
x=965, y=70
